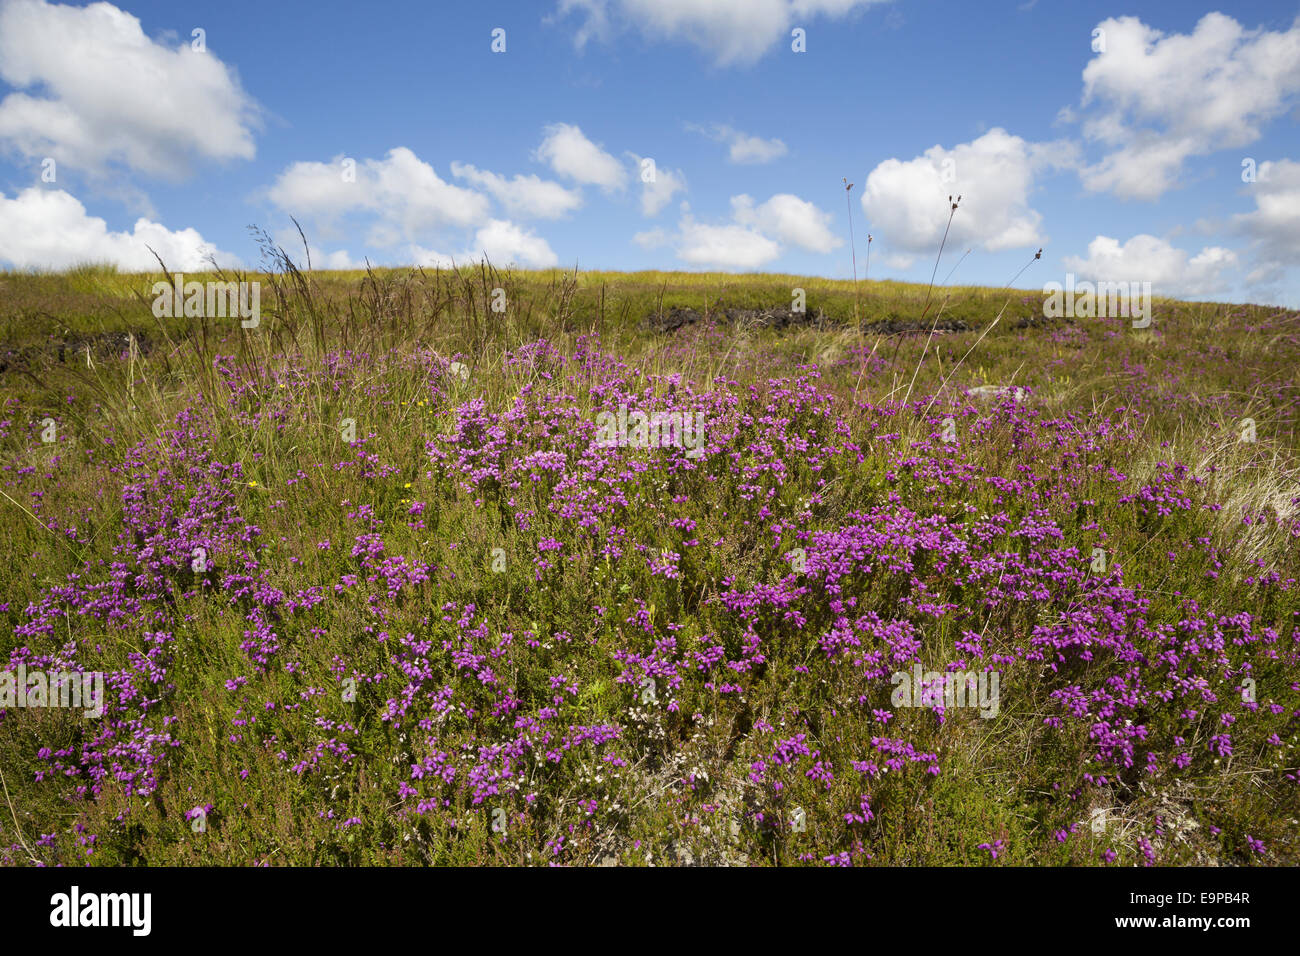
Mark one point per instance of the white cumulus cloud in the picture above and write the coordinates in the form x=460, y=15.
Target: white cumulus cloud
x=788, y=219
x=743, y=148
x=50, y=229
x=407, y=205
x=1273, y=226
x=652, y=238
x=658, y=192
x=756, y=235
x=91, y=90
x=1144, y=258
x=570, y=154
x=338, y=259
x=729, y=31
x=403, y=194
x=1154, y=100
x=726, y=247
x=907, y=207
x=502, y=242
x=528, y=197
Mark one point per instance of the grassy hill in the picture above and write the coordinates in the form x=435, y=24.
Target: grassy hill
x=365, y=586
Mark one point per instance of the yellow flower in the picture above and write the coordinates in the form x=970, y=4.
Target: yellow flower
x=252, y=484
x=407, y=485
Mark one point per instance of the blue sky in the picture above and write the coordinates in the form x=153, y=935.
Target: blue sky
x=1124, y=162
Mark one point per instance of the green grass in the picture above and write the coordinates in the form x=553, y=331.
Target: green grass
x=1182, y=387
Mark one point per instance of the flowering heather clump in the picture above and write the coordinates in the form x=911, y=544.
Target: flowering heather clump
x=385, y=593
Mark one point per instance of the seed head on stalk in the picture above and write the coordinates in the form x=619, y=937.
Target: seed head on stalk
x=857, y=321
